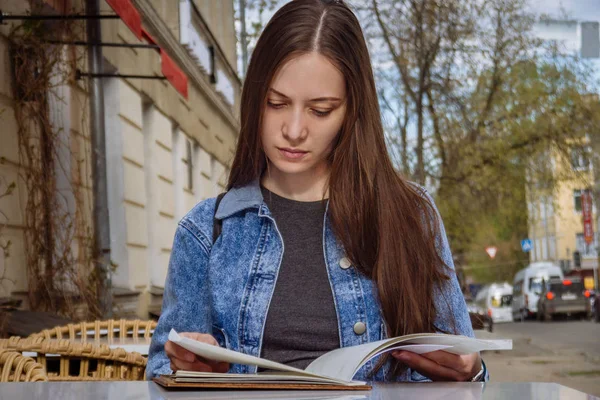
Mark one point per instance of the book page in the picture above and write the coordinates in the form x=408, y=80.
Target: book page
x=343, y=363
x=217, y=353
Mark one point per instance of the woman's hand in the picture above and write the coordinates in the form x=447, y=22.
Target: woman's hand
x=186, y=360
x=441, y=365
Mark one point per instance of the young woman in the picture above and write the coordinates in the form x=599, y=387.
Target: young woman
x=322, y=243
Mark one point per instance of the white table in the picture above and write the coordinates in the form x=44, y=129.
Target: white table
x=429, y=391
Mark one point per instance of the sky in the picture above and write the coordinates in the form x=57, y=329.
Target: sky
x=582, y=10
x=579, y=10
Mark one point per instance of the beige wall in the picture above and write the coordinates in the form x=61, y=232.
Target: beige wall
x=148, y=125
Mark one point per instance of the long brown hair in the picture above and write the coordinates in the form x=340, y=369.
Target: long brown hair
x=387, y=226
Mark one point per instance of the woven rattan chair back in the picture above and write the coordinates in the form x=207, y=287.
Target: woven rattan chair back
x=14, y=367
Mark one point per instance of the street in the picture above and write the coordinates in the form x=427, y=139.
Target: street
x=565, y=352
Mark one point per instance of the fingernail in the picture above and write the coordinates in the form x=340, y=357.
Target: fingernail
x=402, y=355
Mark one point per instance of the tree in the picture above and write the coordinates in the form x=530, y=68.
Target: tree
x=420, y=36
x=484, y=100
x=253, y=12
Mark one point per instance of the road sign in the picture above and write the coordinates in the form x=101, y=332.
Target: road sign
x=491, y=250
x=526, y=245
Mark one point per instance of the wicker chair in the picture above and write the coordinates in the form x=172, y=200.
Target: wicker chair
x=71, y=361
x=110, y=329
x=14, y=367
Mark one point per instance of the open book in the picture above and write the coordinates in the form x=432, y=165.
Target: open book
x=336, y=367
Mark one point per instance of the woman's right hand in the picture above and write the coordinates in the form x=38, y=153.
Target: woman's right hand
x=182, y=359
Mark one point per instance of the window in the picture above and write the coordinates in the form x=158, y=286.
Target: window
x=550, y=206
x=580, y=158
x=546, y=209
x=531, y=209
x=558, y=288
x=518, y=288
x=535, y=285
x=544, y=253
x=502, y=301
x=584, y=248
x=188, y=161
x=577, y=199
x=552, y=247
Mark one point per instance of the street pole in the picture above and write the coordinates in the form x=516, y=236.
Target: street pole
x=99, y=181
x=595, y=144
x=243, y=37
x=546, y=237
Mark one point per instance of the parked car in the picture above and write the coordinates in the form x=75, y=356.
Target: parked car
x=496, y=299
x=480, y=319
x=527, y=286
x=595, y=306
x=564, y=297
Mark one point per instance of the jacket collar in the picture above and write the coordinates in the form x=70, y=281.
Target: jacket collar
x=240, y=198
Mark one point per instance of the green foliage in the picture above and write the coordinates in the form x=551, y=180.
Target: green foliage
x=490, y=107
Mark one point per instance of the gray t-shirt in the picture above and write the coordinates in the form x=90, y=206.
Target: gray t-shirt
x=301, y=322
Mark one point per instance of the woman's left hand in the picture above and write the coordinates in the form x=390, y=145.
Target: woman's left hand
x=442, y=366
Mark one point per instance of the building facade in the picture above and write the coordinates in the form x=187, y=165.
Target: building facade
x=169, y=142
x=556, y=226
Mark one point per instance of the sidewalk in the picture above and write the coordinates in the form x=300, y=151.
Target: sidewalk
x=532, y=360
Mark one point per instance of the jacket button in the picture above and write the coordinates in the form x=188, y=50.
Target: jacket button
x=360, y=328
x=345, y=263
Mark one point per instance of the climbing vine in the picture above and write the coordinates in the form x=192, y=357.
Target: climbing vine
x=6, y=189
x=57, y=210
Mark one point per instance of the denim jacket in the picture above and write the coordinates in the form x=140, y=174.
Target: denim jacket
x=225, y=288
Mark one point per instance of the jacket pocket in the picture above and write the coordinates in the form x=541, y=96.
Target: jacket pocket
x=221, y=336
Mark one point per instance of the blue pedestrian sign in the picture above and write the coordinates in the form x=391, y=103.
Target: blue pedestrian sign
x=526, y=245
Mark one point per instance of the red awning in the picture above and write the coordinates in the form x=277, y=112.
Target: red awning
x=175, y=75
x=169, y=68
x=129, y=14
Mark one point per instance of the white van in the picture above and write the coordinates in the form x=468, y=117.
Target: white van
x=527, y=287
x=496, y=300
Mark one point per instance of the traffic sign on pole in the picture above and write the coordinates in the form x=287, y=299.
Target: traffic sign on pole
x=491, y=250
